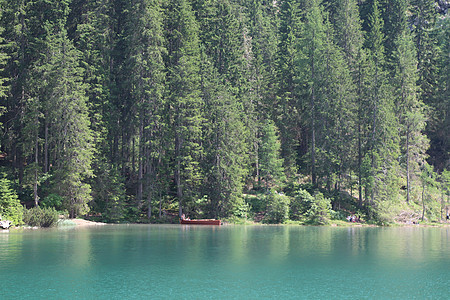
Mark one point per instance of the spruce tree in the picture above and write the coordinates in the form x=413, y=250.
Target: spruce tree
x=312, y=66
x=439, y=133
x=348, y=30
x=225, y=152
x=410, y=108
x=262, y=29
x=383, y=140
x=423, y=18
x=3, y=60
x=64, y=103
x=184, y=101
x=145, y=69
x=272, y=171
x=349, y=36
x=337, y=114
x=289, y=113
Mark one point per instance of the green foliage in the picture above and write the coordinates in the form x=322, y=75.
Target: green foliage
x=319, y=211
x=183, y=86
x=287, y=113
x=3, y=60
x=300, y=204
x=256, y=203
x=108, y=193
x=41, y=217
x=241, y=209
x=277, y=207
x=166, y=102
x=10, y=207
x=52, y=201
x=271, y=165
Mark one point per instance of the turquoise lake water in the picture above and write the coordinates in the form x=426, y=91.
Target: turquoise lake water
x=226, y=262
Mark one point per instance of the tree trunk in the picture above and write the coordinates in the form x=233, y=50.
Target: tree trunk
x=35, y=185
x=46, y=147
x=178, y=175
x=149, y=201
x=141, y=164
x=423, y=201
x=408, y=183
x=313, y=125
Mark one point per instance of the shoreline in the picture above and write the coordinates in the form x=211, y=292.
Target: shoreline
x=83, y=222
x=87, y=223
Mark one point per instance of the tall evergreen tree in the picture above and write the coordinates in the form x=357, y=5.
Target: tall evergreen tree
x=337, y=114
x=312, y=49
x=262, y=29
x=410, y=108
x=348, y=32
x=145, y=68
x=439, y=134
x=225, y=152
x=349, y=36
x=4, y=84
x=383, y=144
x=64, y=101
x=394, y=14
x=289, y=116
x=272, y=172
x=17, y=35
x=184, y=101
x=3, y=60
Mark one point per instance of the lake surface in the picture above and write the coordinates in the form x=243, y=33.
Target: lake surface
x=227, y=262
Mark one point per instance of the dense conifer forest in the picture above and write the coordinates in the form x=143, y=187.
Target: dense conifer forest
x=142, y=110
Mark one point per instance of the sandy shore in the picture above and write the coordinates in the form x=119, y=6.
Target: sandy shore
x=81, y=222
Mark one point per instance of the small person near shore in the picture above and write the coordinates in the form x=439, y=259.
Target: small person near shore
x=354, y=219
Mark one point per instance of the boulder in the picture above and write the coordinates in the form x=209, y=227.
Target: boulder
x=5, y=224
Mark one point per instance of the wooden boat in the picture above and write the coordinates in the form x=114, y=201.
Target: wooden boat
x=200, y=222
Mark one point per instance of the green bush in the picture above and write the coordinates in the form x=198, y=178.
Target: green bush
x=41, y=217
x=256, y=203
x=10, y=207
x=319, y=212
x=300, y=204
x=277, y=208
x=52, y=200
x=241, y=208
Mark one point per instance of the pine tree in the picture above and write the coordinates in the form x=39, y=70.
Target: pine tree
x=17, y=35
x=337, y=114
x=312, y=65
x=331, y=97
x=348, y=32
x=349, y=37
x=10, y=207
x=439, y=134
x=262, y=29
x=383, y=143
x=145, y=68
x=64, y=103
x=4, y=57
x=92, y=26
x=410, y=108
x=272, y=172
x=288, y=114
x=423, y=20
x=184, y=101
x=225, y=152
x=394, y=14
x=3, y=60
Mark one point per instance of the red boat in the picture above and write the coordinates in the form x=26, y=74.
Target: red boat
x=200, y=222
